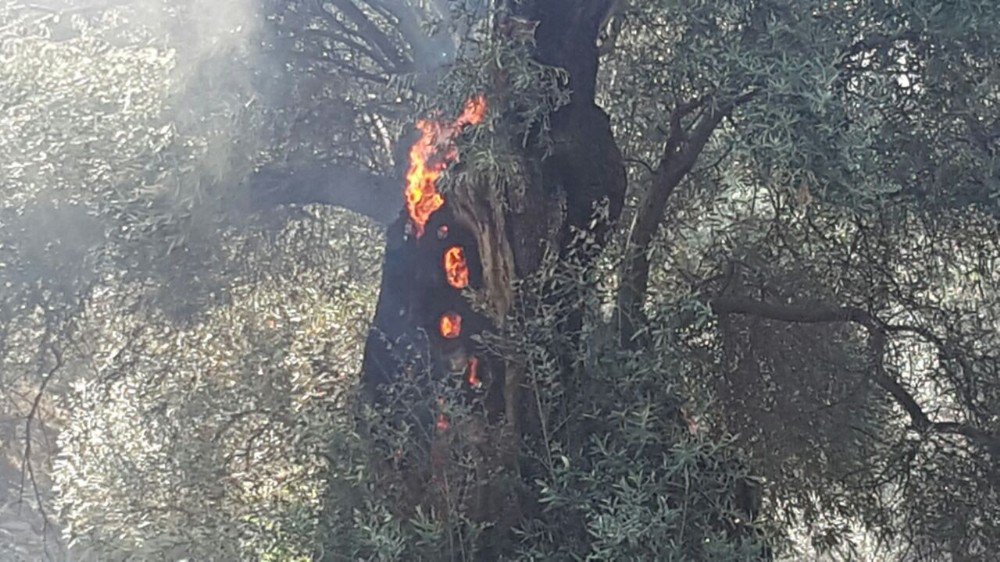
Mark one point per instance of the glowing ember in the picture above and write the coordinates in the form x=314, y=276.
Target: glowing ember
x=455, y=268
x=473, y=377
x=451, y=325
x=442, y=420
x=429, y=157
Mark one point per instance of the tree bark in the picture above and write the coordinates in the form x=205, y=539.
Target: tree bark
x=679, y=156
x=504, y=240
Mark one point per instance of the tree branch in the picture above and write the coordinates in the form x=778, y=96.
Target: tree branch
x=407, y=23
x=351, y=41
x=377, y=197
x=877, y=41
x=26, y=467
x=680, y=153
x=877, y=339
x=368, y=30
x=640, y=162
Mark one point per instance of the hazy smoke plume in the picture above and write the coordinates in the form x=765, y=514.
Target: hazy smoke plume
x=123, y=124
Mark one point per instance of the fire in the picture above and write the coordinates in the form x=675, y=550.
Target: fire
x=429, y=157
x=451, y=325
x=473, y=112
x=455, y=267
x=473, y=377
x=442, y=423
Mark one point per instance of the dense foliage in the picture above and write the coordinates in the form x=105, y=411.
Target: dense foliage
x=806, y=272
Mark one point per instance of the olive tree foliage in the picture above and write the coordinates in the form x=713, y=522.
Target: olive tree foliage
x=102, y=115
x=180, y=355
x=807, y=262
x=619, y=470
x=209, y=439
x=827, y=264
x=52, y=107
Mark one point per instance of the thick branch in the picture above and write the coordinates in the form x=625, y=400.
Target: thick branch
x=680, y=153
x=374, y=196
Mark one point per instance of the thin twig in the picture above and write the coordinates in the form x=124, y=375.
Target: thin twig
x=26, y=467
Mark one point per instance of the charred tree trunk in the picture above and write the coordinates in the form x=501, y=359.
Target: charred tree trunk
x=500, y=242
x=584, y=169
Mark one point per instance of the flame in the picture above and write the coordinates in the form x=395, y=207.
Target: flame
x=442, y=423
x=473, y=112
x=473, y=377
x=429, y=157
x=455, y=267
x=451, y=325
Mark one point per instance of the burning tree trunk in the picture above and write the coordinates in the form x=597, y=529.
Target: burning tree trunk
x=430, y=258
x=441, y=246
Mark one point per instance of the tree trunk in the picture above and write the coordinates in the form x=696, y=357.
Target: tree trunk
x=502, y=241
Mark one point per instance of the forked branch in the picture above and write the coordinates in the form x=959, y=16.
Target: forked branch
x=878, y=332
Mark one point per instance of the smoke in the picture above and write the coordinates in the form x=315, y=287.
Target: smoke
x=130, y=131
x=123, y=125
x=141, y=113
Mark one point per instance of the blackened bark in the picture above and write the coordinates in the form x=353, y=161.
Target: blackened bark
x=584, y=168
x=501, y=242
x=586, y=163
x=567, y=38
x=413, y=297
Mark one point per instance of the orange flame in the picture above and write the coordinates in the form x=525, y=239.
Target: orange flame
x=451, y=325
x=429, y=157
x=455, y=267
x=473, y=112
x=442, y=420
x=473, y=376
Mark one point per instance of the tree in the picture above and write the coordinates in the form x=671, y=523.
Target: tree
x=731, y=278
x=124, y=241
x=811, y=104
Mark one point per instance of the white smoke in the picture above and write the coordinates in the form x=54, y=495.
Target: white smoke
x=119, y=120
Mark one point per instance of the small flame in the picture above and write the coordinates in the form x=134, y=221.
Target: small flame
x=451, y=325
x=455, y=267
x=429, y=157
x=442, y=420
x=473, y=377
x=473, y=113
